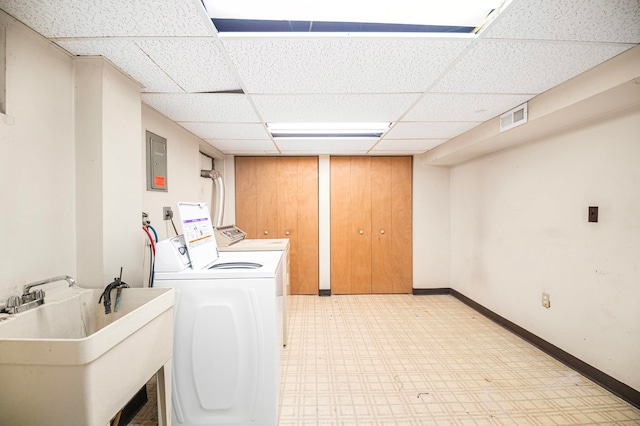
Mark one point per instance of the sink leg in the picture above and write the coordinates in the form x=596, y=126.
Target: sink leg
x=163, y=378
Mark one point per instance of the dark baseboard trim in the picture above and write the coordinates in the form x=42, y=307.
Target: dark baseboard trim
x=323, y=293
x=430, y=291
x=614, y=386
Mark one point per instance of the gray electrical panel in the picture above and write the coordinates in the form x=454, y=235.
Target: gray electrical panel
x=157, y=179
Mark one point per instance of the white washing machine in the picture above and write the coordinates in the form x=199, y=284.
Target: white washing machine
x=227, y=335
x=271, y=244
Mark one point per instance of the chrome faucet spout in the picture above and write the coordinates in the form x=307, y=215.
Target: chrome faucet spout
x=66, y=278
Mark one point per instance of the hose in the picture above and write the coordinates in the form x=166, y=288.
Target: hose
x=152, y=253
x=155, y=234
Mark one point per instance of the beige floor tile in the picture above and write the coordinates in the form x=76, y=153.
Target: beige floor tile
x=429, y=360
x=373, y=360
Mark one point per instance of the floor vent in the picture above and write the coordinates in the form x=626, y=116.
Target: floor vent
x=513, y=118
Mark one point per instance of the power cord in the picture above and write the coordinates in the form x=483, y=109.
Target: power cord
x=174, y=226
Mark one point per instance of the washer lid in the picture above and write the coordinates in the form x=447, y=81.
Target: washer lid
x=236, y=265
x=198, y=234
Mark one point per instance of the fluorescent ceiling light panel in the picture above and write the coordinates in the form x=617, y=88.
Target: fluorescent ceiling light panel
x=470, y=13
x=328, y=130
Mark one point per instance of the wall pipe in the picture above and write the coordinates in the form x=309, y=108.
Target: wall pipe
x=218, y=211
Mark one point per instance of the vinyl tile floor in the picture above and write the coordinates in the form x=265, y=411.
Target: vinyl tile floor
x=422, y=360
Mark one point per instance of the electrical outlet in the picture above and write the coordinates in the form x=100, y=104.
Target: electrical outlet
x=546, y=300
x=167, y=213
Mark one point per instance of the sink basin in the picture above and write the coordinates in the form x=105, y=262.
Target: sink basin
x=67, y=362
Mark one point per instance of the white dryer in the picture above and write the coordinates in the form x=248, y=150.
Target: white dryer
x=227, y=336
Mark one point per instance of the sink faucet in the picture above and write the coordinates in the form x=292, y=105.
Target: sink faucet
x=66, y=278
x=29, y=299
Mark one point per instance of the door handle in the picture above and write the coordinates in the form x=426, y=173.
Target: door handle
x=266, y=232
x=382, y=231
x=286, y=232
x=361, y=232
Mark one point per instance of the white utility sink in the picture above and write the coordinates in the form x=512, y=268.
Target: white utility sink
x=68, y=363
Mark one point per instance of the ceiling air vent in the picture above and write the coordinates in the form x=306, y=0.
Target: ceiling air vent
x=513, y=118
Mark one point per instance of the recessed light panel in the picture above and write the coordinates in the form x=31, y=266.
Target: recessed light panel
x=349, y=15
x=327, y=130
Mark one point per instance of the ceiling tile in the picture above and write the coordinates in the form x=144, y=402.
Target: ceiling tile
x=170, y=46
x=398, y=146
x=259, y=147
x=127, y=56
x=333, y=108
x=325, y=146
x=195, y=64
x=340, y=64
x=464, y=107
x=109, y=18
x=578, y=20
x=431, y=130
x=197, y=107
x=221, y=131
x=523, y=67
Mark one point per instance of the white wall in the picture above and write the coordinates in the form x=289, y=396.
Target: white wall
x=519, y=228
x=227, y=166
x=37, y=171
x=324, y=222
x=184, y=163
x=108, y=205
x=431, y=225
x=72, y=179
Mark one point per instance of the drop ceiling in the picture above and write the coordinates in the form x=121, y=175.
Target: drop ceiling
x=433, y=88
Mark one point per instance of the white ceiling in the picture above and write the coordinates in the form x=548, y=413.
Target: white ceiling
x=433, y=88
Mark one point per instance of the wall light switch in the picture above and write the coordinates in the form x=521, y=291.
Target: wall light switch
x=546, y=300
x=593, y=214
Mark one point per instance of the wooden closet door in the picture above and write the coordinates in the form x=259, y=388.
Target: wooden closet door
x=402, y=223
x=340, y=200
x=350, y=225
x=382, y=233
x=391, y=182
x=288, y=213
x=277, y=197
x=267, y=198
x=307, y=280
x=361, y=225
x=246, y=196
x=257, y=197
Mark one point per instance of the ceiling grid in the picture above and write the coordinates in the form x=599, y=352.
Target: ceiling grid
x=432, y=87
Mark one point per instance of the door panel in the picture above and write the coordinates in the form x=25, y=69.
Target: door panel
x=267, y=198
x=246, y=201
x=340, y=199
x=360, y=255
x=401, y=223
x=381, y=252
x=350, y=225
x=288, y=212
